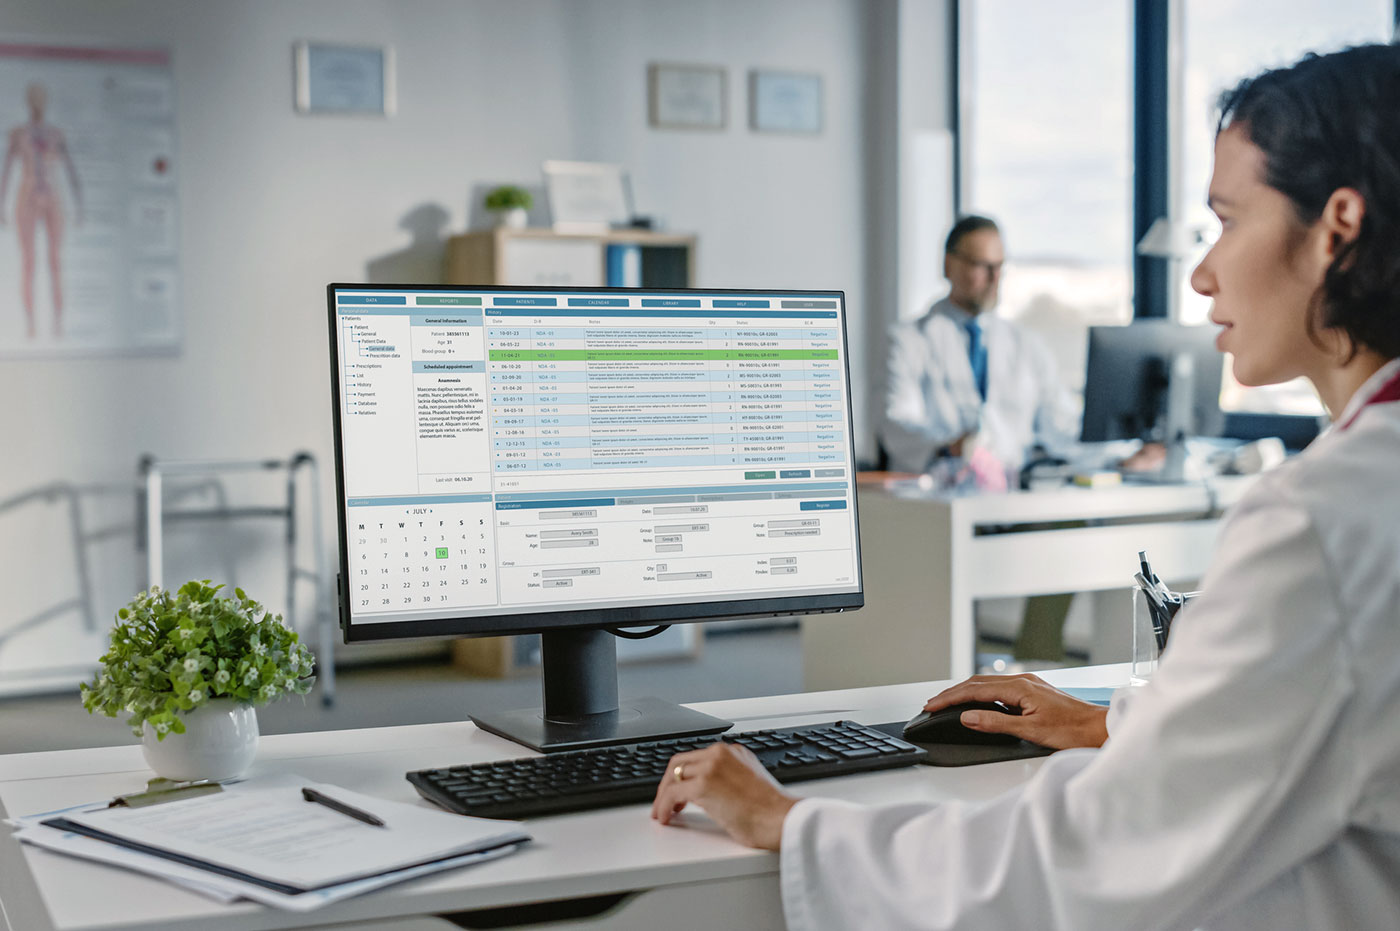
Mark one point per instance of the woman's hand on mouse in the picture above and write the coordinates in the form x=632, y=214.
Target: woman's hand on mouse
x=1048, y=716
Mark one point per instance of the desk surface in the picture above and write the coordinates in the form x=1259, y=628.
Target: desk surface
x=581, y=854
x=1129, y=500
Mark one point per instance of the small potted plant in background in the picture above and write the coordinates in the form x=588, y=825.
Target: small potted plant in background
x=189, y=667
x=509, y=204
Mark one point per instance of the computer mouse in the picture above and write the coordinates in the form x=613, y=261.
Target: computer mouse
x=944, y=727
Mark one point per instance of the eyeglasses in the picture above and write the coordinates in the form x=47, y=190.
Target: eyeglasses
x=991, y=268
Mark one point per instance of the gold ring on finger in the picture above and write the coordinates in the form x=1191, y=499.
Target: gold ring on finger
x=679, y=772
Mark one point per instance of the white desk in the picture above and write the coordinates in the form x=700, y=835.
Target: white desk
x=927, y=559
x=683, y=878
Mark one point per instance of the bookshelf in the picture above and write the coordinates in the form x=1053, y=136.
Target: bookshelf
x=539, y=256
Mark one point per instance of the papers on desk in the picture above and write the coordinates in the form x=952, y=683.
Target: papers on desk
x=260, y=840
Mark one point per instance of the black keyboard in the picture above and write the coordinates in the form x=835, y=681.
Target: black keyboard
x=603, y=776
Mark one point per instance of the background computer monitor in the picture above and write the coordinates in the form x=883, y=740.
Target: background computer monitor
x=572, y=461
x=1152, y=380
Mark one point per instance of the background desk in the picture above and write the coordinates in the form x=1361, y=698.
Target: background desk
x=926, y=560
x=683, y=878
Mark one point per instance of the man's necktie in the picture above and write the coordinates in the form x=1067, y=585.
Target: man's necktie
x=977, y=355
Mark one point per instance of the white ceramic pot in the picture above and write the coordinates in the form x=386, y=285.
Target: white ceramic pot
x=219, y=742
x=514, y=218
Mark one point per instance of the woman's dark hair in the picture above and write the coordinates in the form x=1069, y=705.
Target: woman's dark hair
x=1329, y=122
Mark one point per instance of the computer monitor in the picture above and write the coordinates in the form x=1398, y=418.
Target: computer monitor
x=1152, y=380
x=571, y=461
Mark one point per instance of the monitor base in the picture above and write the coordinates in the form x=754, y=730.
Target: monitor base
x=637, y=720
x=1178, y=467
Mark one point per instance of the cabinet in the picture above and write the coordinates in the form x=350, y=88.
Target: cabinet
x=544, y=257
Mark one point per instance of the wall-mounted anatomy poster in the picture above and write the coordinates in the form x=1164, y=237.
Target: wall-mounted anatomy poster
x=88, y=234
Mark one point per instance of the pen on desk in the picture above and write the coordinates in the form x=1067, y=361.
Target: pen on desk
x=311, y=795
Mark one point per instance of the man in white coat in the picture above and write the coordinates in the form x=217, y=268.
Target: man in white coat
x=961, y=375
x=1254, y=782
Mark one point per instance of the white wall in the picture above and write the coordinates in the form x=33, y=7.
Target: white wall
x=273, y=206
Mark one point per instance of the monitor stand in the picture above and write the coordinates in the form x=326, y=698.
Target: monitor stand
x=1178, y=422
x=580, y=702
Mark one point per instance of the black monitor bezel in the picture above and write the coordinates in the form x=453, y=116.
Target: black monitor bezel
x=622, y=616
x=1109, y=345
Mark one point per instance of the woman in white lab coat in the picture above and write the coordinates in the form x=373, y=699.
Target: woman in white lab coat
x=1255, y=781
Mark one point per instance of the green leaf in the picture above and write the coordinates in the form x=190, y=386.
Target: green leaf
x=142, y=673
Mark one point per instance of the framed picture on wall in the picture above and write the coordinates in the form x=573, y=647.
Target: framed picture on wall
x=686, y=97
x=785, y=102
x=353, y=80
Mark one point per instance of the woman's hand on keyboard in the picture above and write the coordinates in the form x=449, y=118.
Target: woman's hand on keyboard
x=733, y=788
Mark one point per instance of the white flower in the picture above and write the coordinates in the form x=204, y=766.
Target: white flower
x=196, y=696
x=185, y=632
x=289, y=684
x=251, y=677
x=258, y=647
x=221, y=676
x=191, y=665
x=269, y=690
x=162, y=728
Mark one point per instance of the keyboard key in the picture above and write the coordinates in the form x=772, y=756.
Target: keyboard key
x=860, y=754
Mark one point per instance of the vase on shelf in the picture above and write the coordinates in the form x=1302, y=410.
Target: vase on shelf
x=512, y=218
x=219, y=743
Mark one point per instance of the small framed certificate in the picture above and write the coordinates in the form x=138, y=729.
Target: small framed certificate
x=685, y=96
x=353, y=80
x=785, y=102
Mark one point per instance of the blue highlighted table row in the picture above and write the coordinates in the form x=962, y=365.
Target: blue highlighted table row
x=530, y=415
x=785, y=437
x=836, y=488
x=658, y=462
x=515, y=393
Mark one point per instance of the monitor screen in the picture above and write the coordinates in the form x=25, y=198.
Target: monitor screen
x=529, y=459
x=1130, y=375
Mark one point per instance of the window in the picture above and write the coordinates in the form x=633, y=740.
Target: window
x=1223, y=42
x=1046, y=144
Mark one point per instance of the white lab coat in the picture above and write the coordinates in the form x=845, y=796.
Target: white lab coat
x=1253, y=783
x=931, y=398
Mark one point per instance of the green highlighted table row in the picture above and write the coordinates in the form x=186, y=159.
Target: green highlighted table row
x=653, y=355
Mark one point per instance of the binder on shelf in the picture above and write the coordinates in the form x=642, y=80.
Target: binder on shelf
x=624, y=265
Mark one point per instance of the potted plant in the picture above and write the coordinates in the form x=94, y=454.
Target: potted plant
x=190, y=667
x=509, y=204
